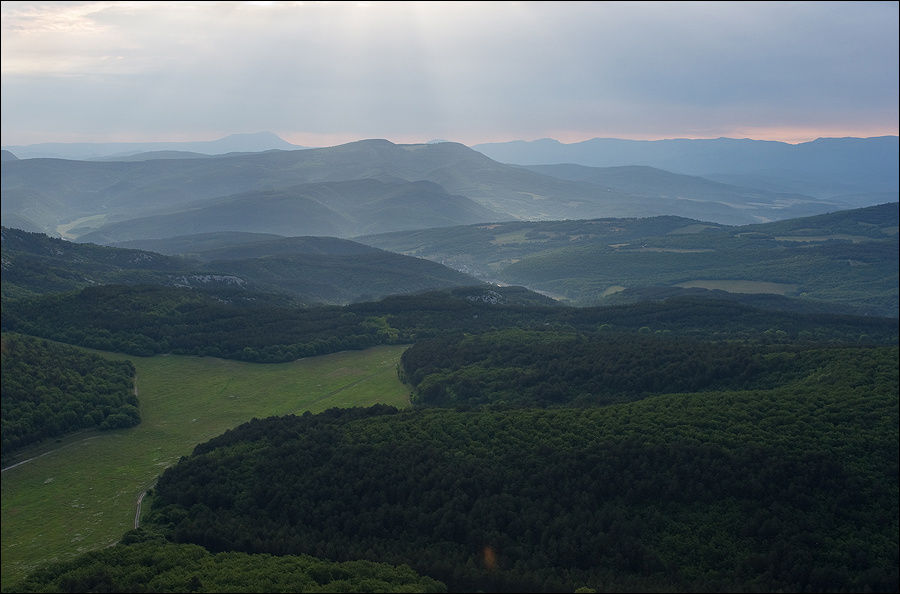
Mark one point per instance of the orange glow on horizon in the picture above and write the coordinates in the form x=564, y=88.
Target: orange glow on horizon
x=784, y=134
x=317, y=139
x=787, y=134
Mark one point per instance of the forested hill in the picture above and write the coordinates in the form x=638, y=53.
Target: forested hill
x=787, y=489
x=308, y=269
x=145, y=320
x=333, y=208
x=516, y=367
x=847, y=258
x=154, y=565
x=51, y=389
x=239, y=246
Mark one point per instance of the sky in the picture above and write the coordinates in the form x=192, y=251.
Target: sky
x=325, y=73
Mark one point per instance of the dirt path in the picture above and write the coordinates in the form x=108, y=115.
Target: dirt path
x=137, y=514
x=140, y=500
x=54, y=450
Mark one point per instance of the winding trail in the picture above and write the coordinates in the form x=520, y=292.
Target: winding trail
x=137, y=514
x=140, y=500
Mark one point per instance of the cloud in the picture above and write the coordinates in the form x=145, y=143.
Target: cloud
x=465, y=71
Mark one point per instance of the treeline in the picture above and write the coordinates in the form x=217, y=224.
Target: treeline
x=148, y=320
x=50, y=389
x=154, y=565
x=790, y=489
x=549, y=368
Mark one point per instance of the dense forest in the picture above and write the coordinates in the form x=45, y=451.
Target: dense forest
x=146, y=320
x=786, y=482
x=788, y=489
x=144, y=564
x=544, y=368
x=51, y=389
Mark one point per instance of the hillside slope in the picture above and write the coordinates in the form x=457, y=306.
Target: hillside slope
x=848, y=257
x=73, y=198
x=308, y=269
x=338, y=209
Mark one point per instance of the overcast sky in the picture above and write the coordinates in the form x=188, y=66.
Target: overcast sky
x=321, y=74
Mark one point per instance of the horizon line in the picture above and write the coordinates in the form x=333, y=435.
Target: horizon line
x=6, y=146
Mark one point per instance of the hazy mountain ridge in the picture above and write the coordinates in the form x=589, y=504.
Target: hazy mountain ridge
x=77, y=197
x=312, y=270
x=163, y=154
x=339, y=209
x=642, y=179
x=243, y=143
x=824, y=167
x=189, y=244
x=119, y=190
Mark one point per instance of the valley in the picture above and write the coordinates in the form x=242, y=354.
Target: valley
x=82, y=497
x=505, y=297
x=410, y=367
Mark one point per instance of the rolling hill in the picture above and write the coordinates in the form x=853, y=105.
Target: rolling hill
x=74, y=198
x=338, y=209
x=717, y=198
x=308, y=269
x=848, y=257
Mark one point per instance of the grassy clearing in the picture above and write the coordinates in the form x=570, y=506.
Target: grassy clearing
x=742, y=286
x=819, y=238
x=612, y=290
x=513, y=237
x=81, y=494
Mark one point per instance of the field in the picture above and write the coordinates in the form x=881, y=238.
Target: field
x=80, y=493
x=741, y=286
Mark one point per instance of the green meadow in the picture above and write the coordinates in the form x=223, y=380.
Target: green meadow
x=80, y=493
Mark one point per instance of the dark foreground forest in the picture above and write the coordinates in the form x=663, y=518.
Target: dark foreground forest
x=51, y=389
x=791, y=487
x=690, y=444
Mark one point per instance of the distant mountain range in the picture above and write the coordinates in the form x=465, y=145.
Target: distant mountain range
x=823, y=168
x=826, y=167
x=234, y=143
x=365, y=187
